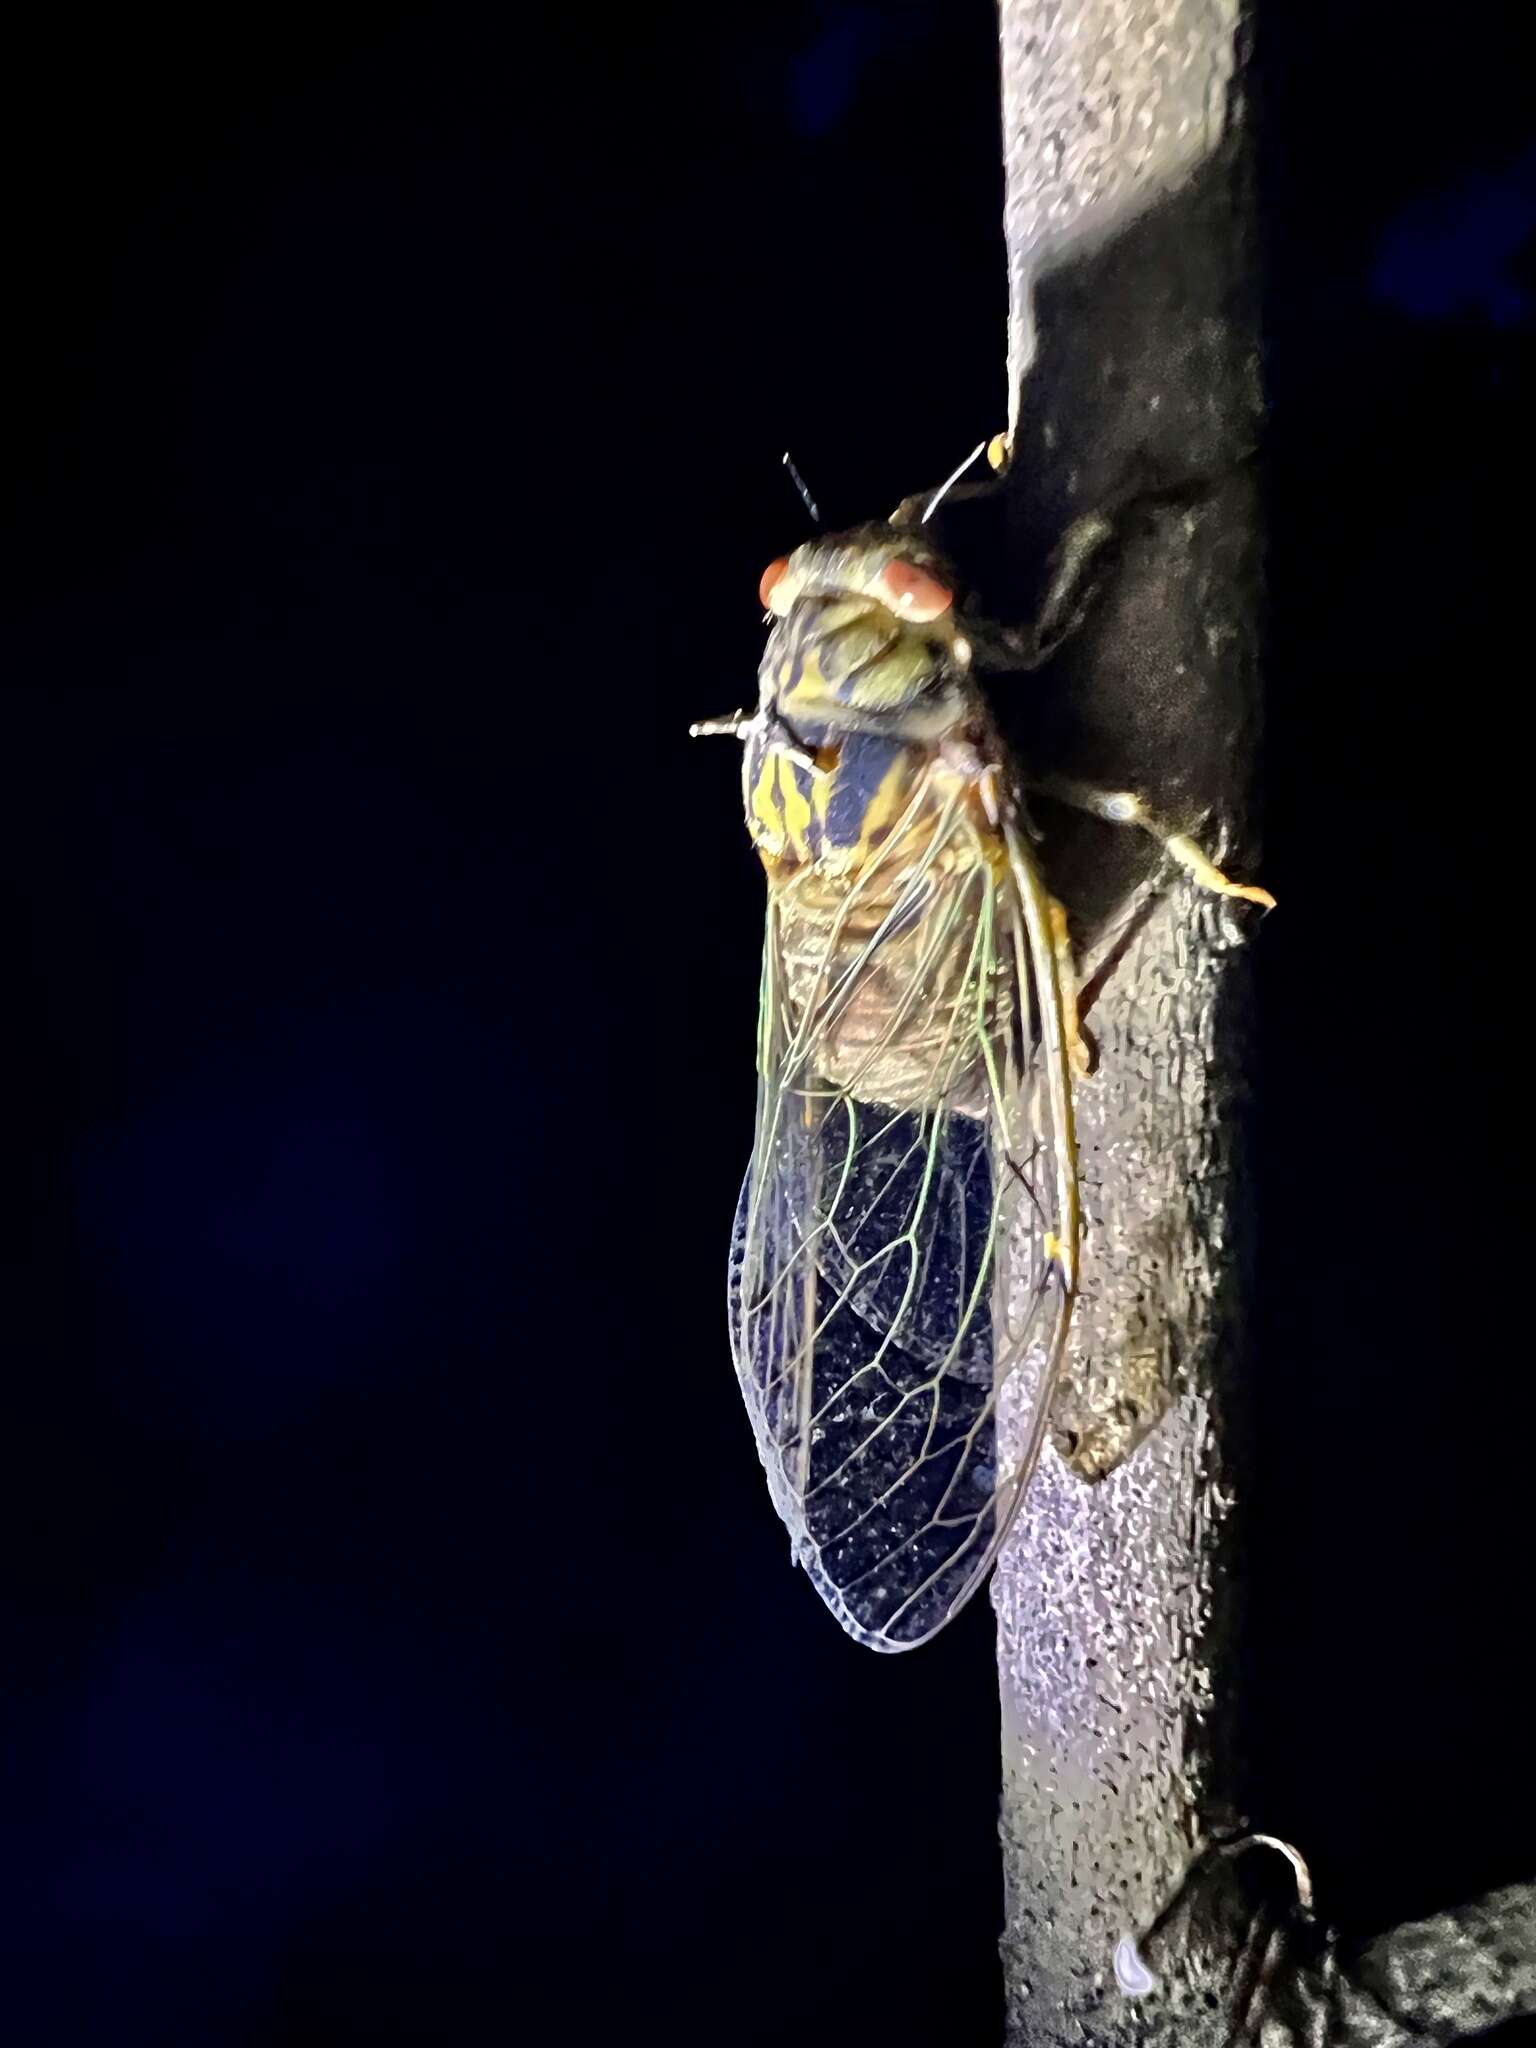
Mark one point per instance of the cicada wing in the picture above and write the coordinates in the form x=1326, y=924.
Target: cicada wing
x=900, y=1276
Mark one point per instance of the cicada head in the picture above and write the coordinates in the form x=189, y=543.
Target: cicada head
x=864, y=635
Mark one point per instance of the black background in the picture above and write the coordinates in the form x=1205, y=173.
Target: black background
x=399, y=1644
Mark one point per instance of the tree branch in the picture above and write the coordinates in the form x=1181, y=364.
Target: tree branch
x=1133, y=312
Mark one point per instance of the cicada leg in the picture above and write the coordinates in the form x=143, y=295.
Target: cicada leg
x=742, y=725
x=1080, y=1052
x=1124, y=807
x=1072, y=584
x=730, y=727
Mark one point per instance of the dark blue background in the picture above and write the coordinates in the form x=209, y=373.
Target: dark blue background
x=399, y=1643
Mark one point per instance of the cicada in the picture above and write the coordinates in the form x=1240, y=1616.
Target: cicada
x=905, y=1250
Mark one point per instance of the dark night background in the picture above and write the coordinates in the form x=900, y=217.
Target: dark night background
x=399, y=1643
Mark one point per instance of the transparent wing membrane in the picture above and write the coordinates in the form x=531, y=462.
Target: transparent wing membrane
x=898, y=1287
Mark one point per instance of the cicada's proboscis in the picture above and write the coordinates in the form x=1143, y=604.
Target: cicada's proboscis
x=905, y=1246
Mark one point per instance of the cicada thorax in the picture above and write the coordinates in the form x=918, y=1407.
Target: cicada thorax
x=868, y=796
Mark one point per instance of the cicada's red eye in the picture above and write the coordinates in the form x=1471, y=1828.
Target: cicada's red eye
x=912, y=593
x=771, y=576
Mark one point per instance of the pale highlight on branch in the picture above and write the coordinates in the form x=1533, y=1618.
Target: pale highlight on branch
x=1107, y=104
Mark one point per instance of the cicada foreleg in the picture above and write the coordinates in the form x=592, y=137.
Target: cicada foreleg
x=1071, y=587
x=1077, y=570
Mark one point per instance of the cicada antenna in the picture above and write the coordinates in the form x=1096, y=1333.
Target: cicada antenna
x=949, y=483
x=921, y=506
x=802, y=487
